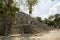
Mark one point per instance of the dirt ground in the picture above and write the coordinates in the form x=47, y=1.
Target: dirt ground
x=52, y=35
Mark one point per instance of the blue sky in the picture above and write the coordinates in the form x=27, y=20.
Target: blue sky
x=44, y=8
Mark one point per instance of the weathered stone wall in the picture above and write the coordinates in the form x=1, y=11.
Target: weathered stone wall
x=21, y=25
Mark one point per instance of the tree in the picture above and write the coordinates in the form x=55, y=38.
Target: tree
x=51, y=17
x=7, y=15
x=30, y=4
x=52, y=0
x=57, y=20
x=53, y=20
x=39, y=19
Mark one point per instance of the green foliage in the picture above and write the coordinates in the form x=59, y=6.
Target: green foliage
x=7, y=15
x=30, y=4
x=7, y=8
x=39, y=19
x=52, y=20
x=49, y=22
x=52, y=0
x=57, y=20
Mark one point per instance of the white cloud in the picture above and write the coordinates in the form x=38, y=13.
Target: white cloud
x=55, y=8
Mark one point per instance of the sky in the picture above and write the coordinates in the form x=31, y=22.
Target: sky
x=44, y=8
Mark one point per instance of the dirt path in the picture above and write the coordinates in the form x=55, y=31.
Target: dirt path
x=52, y=35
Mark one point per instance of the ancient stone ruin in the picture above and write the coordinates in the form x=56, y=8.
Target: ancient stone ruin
x=21, y=25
